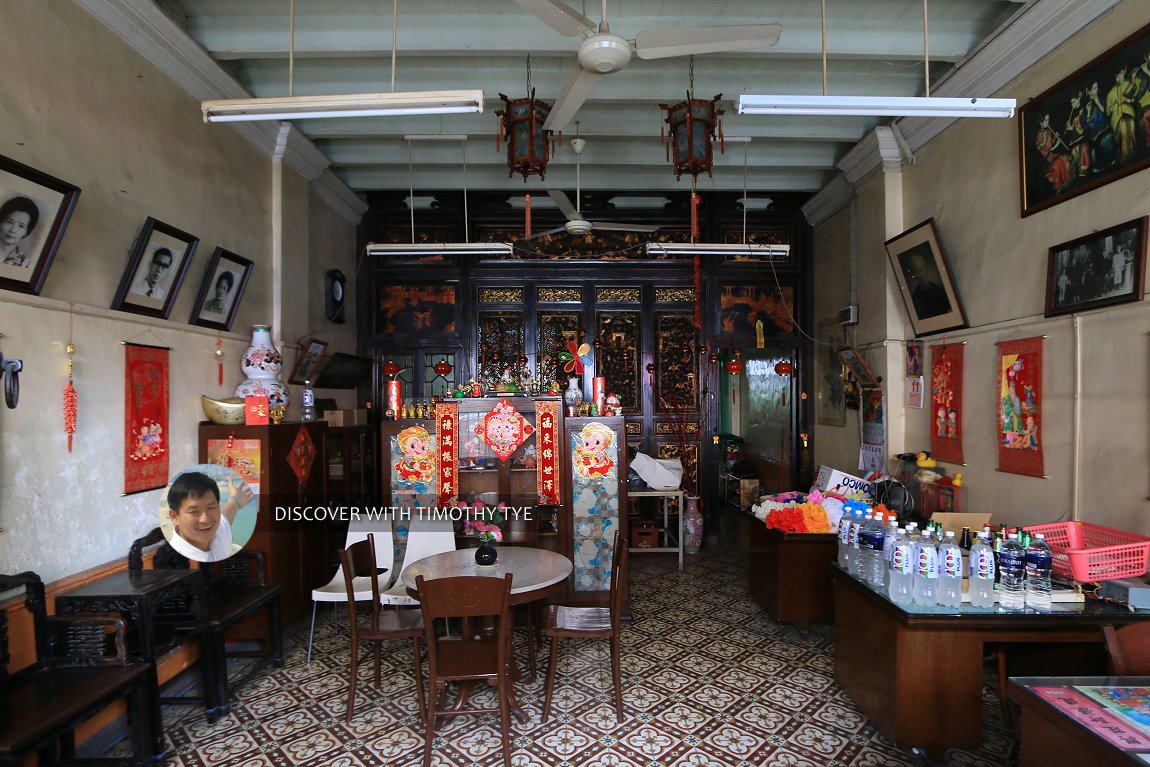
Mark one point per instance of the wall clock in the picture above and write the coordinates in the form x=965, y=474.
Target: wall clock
x=334, y=284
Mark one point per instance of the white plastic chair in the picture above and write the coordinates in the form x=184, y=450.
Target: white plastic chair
x=335, y=591
x=425, y=537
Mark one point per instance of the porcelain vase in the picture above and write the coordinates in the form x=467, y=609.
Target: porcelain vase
x=262, y=364
x=486, y=554
x=573, y=397
x=692, y=525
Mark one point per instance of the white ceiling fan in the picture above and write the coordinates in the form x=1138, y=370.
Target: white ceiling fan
x=576, y=224
x=603, y=52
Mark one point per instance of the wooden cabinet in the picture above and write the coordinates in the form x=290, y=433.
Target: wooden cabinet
x=284, y=463
x=352, y=463
x=789, y=574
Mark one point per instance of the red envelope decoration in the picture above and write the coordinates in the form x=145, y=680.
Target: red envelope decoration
x=504, y=429
x=302, y=455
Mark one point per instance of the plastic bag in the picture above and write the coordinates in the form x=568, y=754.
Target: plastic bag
x=658, y=473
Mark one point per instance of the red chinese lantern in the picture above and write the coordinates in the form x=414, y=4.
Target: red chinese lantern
x=735, y=366
x=390, y=368
x=442, y=368
x=783, y=368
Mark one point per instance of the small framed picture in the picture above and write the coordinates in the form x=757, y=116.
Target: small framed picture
x=34, y=211
x=913, y=361
x=156, y=270
x=853, y=359
x=1100, y=269
x=925, y=280
x=310, y=357
x=225, y=278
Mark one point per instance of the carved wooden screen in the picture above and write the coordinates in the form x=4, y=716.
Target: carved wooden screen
x=500, y=343
x=676, y=371
x=620, y=339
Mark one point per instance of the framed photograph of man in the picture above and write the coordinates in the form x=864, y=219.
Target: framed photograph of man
x=925, y=280
x=156, y=270
x=34, y=211
x=225, y=278
x=311, y=354
x=1100, y=269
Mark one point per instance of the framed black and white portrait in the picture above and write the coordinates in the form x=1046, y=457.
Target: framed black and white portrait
x=156, y=270
x=225, y=278
x=34, y=211
x=925, y=280
x=1101, y=269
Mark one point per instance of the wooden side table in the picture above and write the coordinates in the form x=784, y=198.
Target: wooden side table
x=789, y=574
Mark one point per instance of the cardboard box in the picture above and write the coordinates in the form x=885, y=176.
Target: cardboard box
x=747, y=496
x=357, y=417
x=835, y=481
x=955, y=521
x=644, y=535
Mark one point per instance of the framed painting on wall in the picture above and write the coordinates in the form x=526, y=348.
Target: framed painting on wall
x=853, y=359
x=741, y=307
x=225, y=278
x=34, y=210
x=925, y=280
x=830, y=398
x=1087, y=130
x=418, y=310
x=156, y=270
x=311, y=353
x=1101, y=269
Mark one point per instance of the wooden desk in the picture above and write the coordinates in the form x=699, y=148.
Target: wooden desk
x=917, y=673
x=666, y=495
x=788, y=574
x=1062, y=724
x=143, y=599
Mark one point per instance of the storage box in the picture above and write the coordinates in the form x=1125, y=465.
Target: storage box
x=835, y=481
x=644, y=535
x=956, y=521
x=357, y=417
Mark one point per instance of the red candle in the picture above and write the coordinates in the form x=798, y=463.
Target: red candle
x=599, y=393
x=394, y=397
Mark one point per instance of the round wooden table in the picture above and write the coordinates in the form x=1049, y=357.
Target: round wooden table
x=536, y=573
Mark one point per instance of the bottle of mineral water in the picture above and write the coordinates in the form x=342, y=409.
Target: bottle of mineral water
x=982, y=572
x=858, y=555
x=925, y=572
x=1012, y=574
x=873, y=539
x=1038, y=562
x=887, y=543
x=901, y=587
x=845, y=539
x=949, y=572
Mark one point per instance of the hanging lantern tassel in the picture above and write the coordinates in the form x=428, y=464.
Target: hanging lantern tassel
x=694, y=217
x=70, y=399
x=527, y=227
x=219, y=355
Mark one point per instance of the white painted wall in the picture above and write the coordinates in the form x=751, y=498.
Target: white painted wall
x=78, y=104
x=968, y=180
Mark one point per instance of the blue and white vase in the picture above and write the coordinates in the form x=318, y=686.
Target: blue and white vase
x=262, y=364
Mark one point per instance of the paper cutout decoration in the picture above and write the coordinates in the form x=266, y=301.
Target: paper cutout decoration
x=302, y=455
x=504, y=429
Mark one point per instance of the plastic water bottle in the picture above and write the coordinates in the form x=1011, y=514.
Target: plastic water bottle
x=901, y=587
x=1012, y=574
x=857, y=554
x=982, y=572
x=887, y=544
x=949, y=572
x=1038, y=562
x=925, y=572
x=873, y=537
x=845, y=540
x=307, y=403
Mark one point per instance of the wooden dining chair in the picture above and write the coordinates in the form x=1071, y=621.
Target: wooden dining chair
x=1129, y=649
x=592, y=623
x=473, y=655
x=358, y=561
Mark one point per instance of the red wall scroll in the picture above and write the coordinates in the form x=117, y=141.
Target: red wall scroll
x=447, y=430
x=547, y=442
x=145, y=417
x=1019, y=393
x=946, y=403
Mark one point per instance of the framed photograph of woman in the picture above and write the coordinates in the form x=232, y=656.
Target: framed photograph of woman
x=1100, y=269
x=311, y=354
x=156, y=270
x=225, y=278
x=925, y=280
x=34, y=210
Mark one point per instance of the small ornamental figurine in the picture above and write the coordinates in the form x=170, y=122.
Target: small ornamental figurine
x=476, y=388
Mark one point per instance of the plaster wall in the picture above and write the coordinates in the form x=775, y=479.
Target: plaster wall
x=87, y=109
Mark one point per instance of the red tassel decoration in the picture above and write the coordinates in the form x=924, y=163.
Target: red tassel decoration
x=527, y=226
x=698, y=322
x=219, y=355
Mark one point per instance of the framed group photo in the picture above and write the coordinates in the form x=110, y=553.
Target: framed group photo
x=225, y=278
x=925, y=280
x=156, y=270
x=34, y=211
x=1100, y=269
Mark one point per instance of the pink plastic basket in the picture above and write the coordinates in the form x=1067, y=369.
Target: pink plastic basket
x=1087, y=552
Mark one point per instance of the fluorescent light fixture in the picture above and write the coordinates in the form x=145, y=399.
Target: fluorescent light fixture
x=715, y=249
x=348, y=105
x=878, y=106
x=440, y=248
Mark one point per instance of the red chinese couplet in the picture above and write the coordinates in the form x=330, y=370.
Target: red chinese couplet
x=946, y=403
x=447, y=430
x=1019, y=394
x=547, y=444
x=145, y=418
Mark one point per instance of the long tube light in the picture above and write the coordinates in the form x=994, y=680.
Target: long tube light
x=440, y=248
x=715, y=249
x=347, y=105
x=877, y=106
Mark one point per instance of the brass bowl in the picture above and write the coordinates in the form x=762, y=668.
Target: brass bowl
x=226, y=412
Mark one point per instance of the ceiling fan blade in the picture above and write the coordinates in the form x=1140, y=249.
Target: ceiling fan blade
x=662, y=43
x=556, y=230
x=564, y=202
x=608, y=226
x=575, y=92
x=559, y=16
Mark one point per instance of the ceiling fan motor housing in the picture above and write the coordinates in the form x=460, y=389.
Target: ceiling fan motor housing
x=578, y=227
x=604, y=53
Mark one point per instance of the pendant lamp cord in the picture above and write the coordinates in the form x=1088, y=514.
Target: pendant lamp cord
x=745, y=198
x=824, y=28
x=394, y=32
x=410, y=192
x=466, y=226
x=291, y=49
x=926, y=45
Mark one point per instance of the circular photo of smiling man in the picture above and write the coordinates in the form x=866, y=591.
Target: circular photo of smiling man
x=208, y=512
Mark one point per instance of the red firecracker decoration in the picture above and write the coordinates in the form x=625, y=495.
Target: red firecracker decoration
x=69, y=411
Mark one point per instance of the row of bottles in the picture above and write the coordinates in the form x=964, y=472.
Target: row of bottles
x=927, y=568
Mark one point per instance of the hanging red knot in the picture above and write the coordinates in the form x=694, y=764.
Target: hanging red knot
x=698, y=322
x=527, y=227
x=69, y=411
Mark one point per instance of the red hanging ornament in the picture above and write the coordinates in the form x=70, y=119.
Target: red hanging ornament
x=527, y=226
x=390, y=368
x=442, y=368
x=219, y=355
x=783, y=368
x=734, y=367
x=70, y=404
